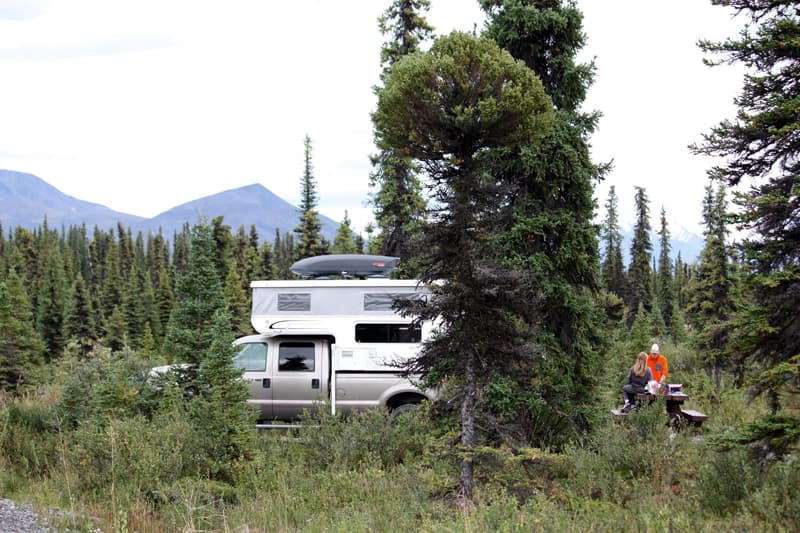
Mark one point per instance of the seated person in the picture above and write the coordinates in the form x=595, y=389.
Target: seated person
x=638, y=378
x=657, y=364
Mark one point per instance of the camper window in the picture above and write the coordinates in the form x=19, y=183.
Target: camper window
x=294, y=302
x=296, y=357
x=252, y=357
x=384, y=333
x=384, y=301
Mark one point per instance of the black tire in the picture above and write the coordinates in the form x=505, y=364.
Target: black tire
x=402, y=409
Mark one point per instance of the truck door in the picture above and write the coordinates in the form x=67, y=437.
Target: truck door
x=298, y=377
x=252, y=357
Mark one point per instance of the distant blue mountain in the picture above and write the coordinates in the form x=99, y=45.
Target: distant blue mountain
x=252, y=204
x=25, y=200
x=688, y=244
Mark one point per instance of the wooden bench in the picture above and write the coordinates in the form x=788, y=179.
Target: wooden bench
x=696, y=417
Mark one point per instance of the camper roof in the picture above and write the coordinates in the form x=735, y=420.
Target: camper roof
x=346, y=266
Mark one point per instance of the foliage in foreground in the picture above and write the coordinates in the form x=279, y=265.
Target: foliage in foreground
x=132, y=457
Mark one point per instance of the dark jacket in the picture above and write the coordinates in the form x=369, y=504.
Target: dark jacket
x=639, y=383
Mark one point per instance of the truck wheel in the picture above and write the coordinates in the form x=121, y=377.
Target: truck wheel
x=403, y=409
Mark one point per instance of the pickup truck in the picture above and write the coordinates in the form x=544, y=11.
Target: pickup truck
x=287, y=374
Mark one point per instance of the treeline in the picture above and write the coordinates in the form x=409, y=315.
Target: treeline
x=73, y=288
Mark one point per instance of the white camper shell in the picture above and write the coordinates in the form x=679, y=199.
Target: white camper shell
x=336, y=339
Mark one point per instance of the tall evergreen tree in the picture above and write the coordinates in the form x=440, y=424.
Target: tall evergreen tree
x=133, y=308
x=157, y=255
x=398, y=202
x=284, y=254
x=164, y=302
x=52, y=297
x=309, y=230
x=613, y=267
x=549, y=230
x=639, y=271
x=237, y=303
x=180, y=254
x=79, y=324
x=114, y=331
x=488, y=102
x=344, y=243
x=710, y=306
x=21, y=349
x=111, y=290
x=761, y=145
x=223, y=246
x=665, y=290
x=198, y=295
x=221, y=412
x=265, y=264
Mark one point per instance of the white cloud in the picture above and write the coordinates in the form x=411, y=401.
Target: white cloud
x=145, y=105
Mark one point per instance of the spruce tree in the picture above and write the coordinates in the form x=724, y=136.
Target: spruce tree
x=111, y=289
x=223, y=246
x=639, y=271
x=613, y=267
x=79, y=324
x=221, y=413
x=114, y=330
x=164, y=302
x=180, y=254
x=22, y=349
x=52, y=298
x=711, y=306
x=452, y=110
x=344, y=243
x=237, y=304
x=133, y=308
x=309, y=230
x=198, y=295
x=665, y=291
x=549, y=230
x=761, y=146
x=398, y=203
x=265, y=264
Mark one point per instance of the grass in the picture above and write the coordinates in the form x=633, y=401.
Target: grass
x=368, y=473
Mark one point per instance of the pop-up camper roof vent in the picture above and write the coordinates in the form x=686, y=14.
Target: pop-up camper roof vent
x=345, y=266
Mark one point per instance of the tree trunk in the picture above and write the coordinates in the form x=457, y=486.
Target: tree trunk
x=717, y=375
x=466, y=482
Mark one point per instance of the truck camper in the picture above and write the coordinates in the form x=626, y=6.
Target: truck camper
x=340, y=339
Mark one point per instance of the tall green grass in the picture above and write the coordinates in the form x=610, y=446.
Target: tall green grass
x=114, y=454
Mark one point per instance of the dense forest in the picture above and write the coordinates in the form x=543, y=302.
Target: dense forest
x=482, y=178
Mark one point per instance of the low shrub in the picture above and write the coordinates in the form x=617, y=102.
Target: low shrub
x=726, y=479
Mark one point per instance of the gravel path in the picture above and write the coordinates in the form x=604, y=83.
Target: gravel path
x=20, y=518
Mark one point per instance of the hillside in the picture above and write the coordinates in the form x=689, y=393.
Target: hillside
x=26, y=200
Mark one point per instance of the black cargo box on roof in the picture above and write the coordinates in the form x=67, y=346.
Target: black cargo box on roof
x=345, y=265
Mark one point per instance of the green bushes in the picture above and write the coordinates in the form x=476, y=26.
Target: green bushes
x=140, y=455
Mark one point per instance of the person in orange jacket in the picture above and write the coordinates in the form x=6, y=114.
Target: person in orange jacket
x=657, y=364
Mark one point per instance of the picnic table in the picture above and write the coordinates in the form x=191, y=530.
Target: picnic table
x=674, y=401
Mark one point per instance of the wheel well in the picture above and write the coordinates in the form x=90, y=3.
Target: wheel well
x=404, y=398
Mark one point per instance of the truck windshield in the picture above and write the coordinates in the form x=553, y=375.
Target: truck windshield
x=252, y=357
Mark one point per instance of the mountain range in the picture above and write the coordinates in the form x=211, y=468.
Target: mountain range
x=25, y=200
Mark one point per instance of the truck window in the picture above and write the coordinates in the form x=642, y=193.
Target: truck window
x=252, y=357
x=385, y=333
x=296, y=356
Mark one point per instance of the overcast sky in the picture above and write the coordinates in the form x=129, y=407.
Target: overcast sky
x=142, y=105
